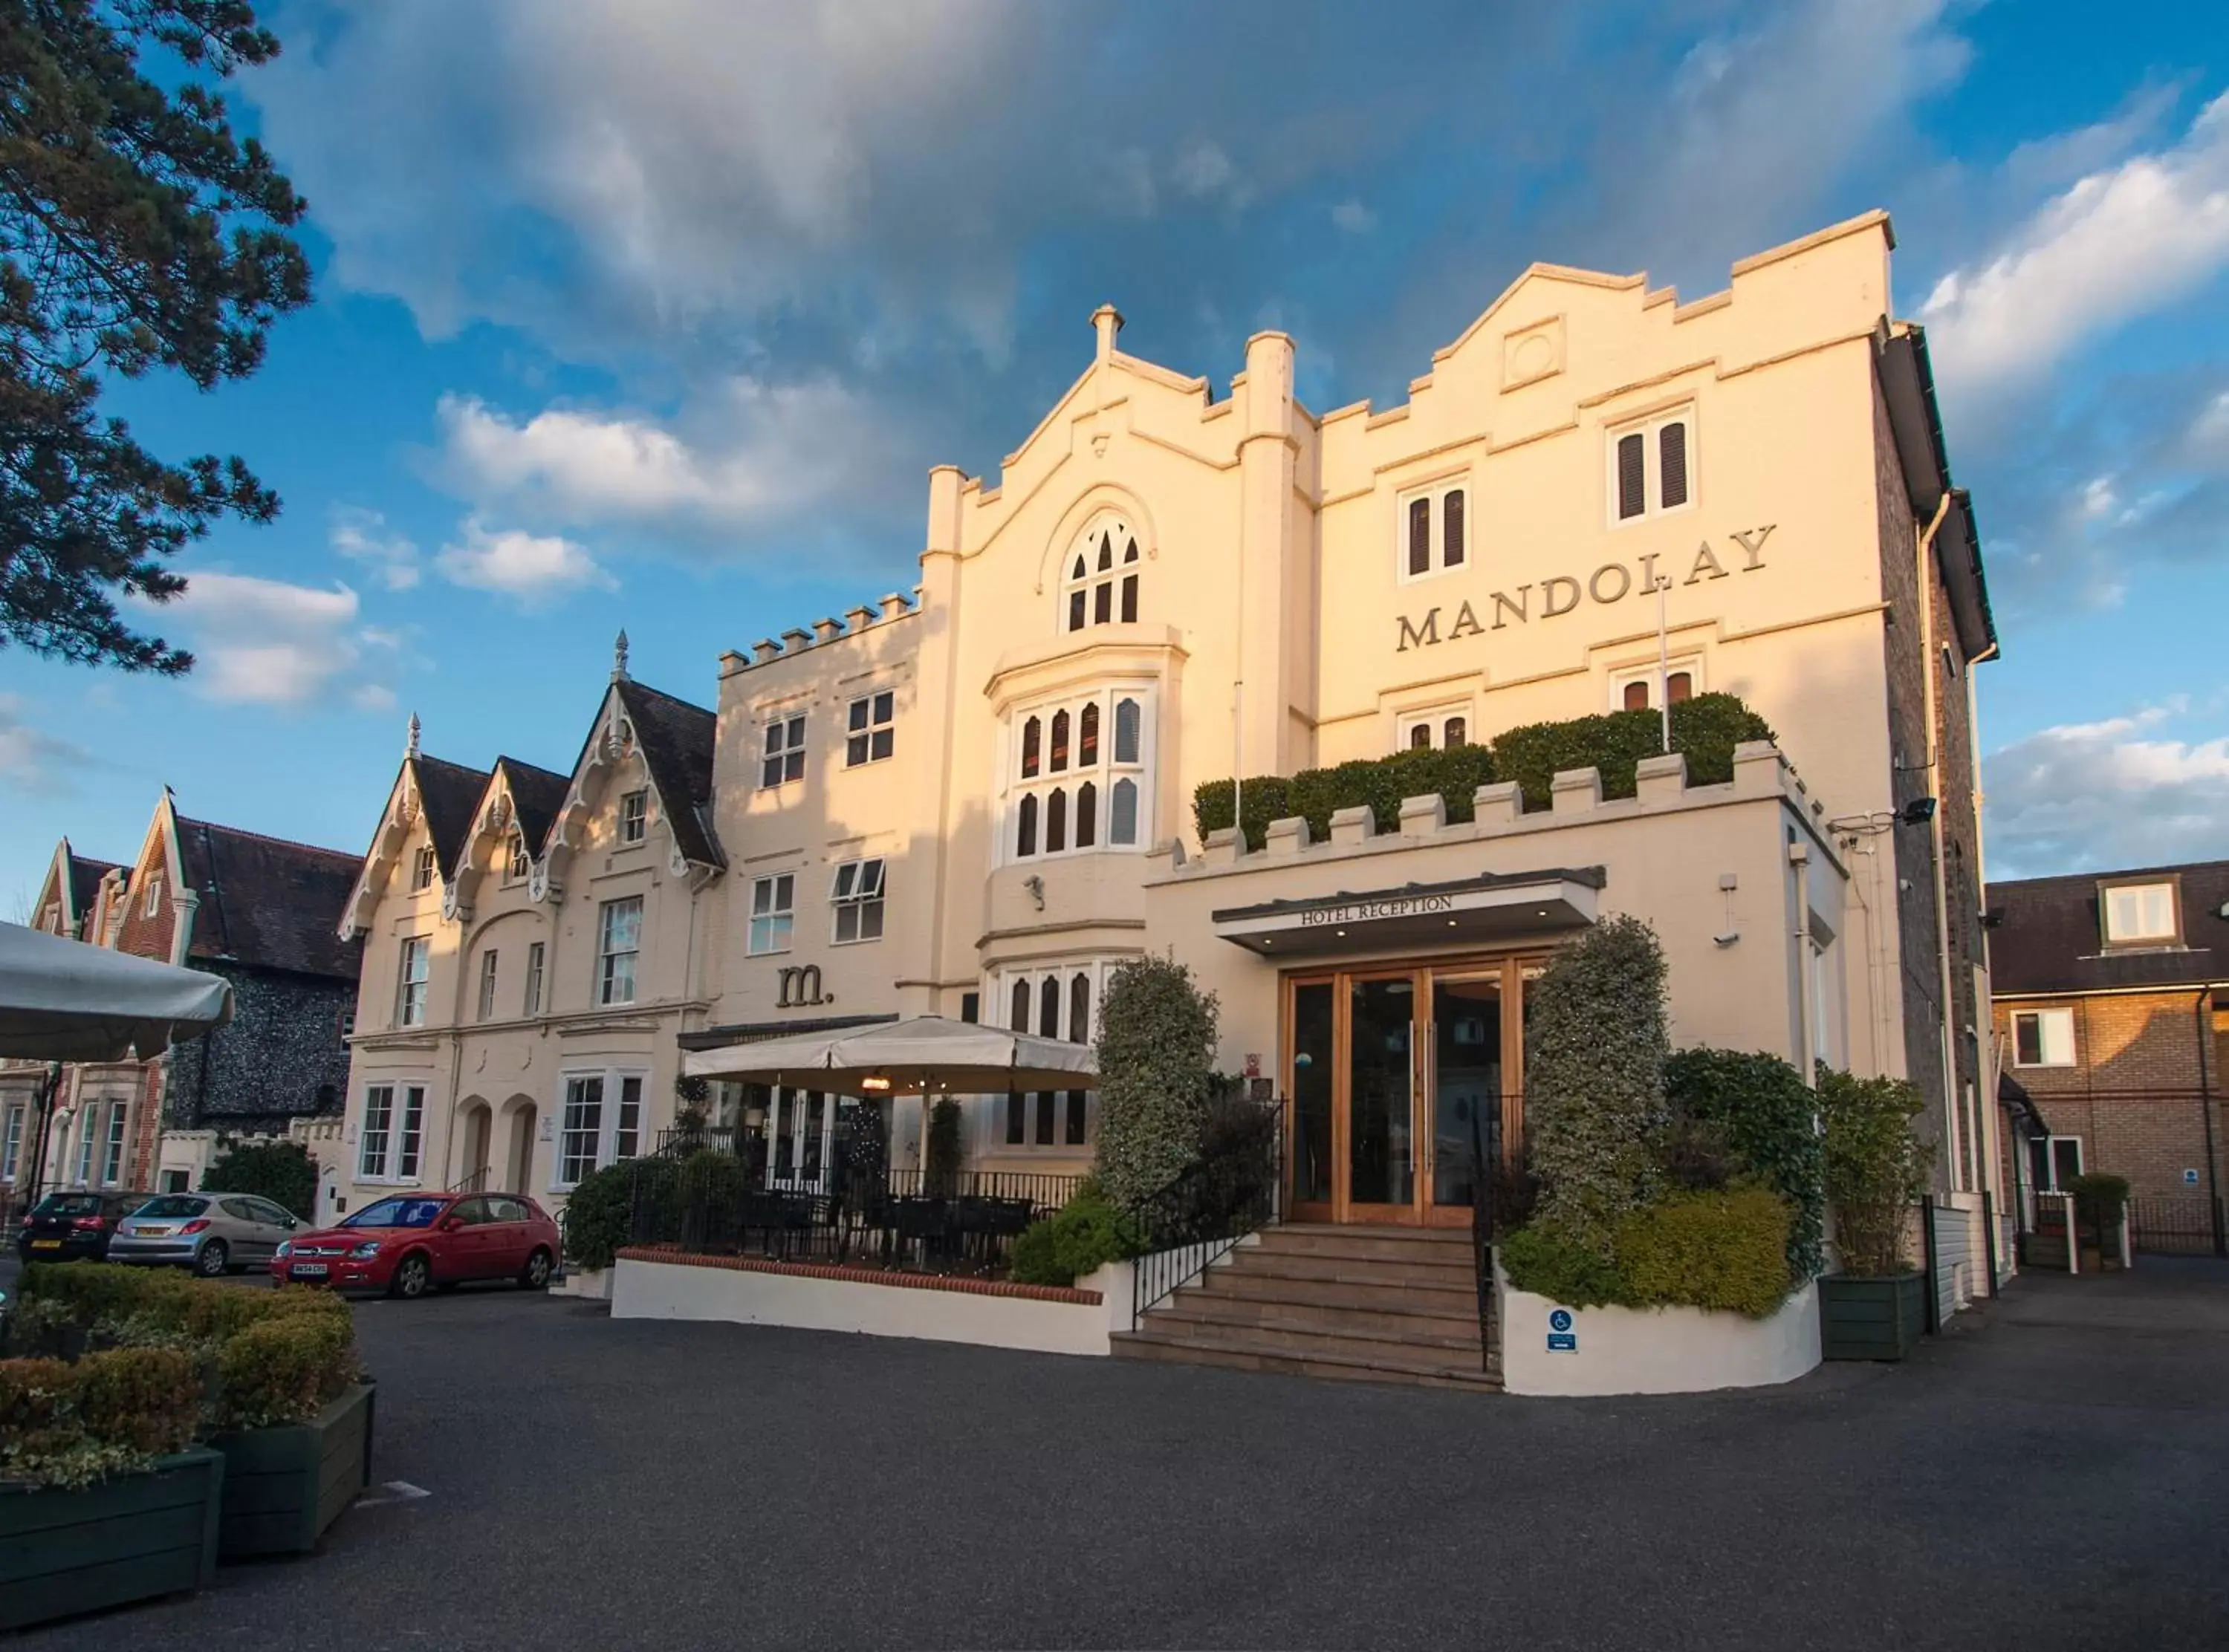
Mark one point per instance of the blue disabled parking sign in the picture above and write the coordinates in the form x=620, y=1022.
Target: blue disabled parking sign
x=1562, y=1339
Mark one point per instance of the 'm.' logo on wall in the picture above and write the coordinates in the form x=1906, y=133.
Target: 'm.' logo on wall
x=801, y=987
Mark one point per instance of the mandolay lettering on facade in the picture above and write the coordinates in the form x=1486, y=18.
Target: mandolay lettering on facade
x=1357, y=912
x=1561, y=593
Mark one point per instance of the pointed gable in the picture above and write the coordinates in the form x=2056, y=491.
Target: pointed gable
x=537, y=795
x=449, y=794
x=677, y=740
x=266, y=901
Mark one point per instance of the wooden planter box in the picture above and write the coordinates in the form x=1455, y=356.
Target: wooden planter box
x=132, y=1538
x=284, y=1486
x=1871, y=1319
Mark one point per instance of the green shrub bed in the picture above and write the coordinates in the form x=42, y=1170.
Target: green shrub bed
x=175, y=1359
x=1725, y=1249
x=1081, y=1236
x=1706, y=728
x=599, y=1212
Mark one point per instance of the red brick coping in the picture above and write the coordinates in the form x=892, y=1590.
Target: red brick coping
x=966, y=1287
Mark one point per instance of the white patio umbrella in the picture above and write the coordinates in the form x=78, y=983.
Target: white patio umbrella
x=925, y=1055
x=65, y=1000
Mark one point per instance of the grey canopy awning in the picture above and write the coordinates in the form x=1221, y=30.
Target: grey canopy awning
x=924, y=1055
x=66, y=1001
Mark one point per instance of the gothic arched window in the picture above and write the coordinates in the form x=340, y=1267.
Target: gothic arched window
x=1102, y=576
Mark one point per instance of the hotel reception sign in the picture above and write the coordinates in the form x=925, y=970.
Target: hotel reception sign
x=1742, y=552
x=1490, y=906
x=1344, y=911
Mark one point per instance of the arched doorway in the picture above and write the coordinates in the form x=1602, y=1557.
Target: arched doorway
x=475, y=1167
x=522, y=1118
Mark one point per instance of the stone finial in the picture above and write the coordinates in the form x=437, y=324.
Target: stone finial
x=410, y=744
x=1106, y=321
x=619, y=657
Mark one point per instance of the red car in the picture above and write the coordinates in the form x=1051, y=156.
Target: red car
x=406, y=1243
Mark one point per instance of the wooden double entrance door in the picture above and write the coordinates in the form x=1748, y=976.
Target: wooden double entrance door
x=1403, y=1080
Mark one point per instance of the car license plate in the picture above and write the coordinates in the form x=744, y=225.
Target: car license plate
x=141, y=1232
x=46, y=1244
x=309, y=1270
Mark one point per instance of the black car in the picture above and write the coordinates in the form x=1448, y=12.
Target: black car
x=65, y=1227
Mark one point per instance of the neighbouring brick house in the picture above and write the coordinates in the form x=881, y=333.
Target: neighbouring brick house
x=258, y=911
x=2110, y=1016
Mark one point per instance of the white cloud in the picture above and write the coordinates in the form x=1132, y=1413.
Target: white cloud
x=2120, y=243
x=32, y=760
x=268, y=643
x=766, y=453
x=2118, y=792
x=361, y=536
x=536, y=570
x=1353, y=217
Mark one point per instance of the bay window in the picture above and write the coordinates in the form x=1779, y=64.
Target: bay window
x=1077, y=773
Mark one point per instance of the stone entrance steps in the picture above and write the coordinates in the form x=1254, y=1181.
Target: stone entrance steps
x=1356, y=1304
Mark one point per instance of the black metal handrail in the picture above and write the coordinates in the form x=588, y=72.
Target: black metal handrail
x=1483, y=1170
x=476, y=1183
x=1206, y=1210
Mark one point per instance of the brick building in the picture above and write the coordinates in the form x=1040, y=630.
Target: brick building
x=258, y=911
x=2110, y=1018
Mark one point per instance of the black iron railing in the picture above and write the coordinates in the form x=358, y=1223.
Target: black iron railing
x=2176, y=1224
x=868, y=1217
x=1235, y=1189
x=1485, y=1170
x=476, y=1183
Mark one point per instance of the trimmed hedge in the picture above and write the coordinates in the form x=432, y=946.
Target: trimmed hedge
x=1727, y=1251
x=1768, y=1118
x=134, y=1302
x=109, y=1413
x=1082, y=1235
x=285, y=1369
x=599, y=1214
x=1706, y=729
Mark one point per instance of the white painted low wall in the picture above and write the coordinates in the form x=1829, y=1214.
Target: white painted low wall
x=672, y=1291
x=594, y=1284
x=1654, y=1350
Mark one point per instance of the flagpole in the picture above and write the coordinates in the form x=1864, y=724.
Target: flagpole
x=1663, y=664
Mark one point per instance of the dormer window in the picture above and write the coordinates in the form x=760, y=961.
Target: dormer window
x=634, y=816
x=421, y=870
x=1434, y=530
x=2140, y=914
x=1652, y=466
x=1101, y=584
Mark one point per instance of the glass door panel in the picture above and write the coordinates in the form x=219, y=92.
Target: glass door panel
x=1381, y=1154
x=1467, y=1087
x=1314, y=1071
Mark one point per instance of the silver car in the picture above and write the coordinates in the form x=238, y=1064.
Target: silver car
x=209, y=1232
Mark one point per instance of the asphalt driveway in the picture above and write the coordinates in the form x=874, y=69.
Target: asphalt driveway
x=2052, y=1473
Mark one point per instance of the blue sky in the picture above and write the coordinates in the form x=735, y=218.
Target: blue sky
x=654, y=313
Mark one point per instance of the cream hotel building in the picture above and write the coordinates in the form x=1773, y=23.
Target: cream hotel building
x=977, y=800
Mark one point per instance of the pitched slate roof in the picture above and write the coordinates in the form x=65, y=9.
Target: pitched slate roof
x=537, y=795
x=2046, y=937
x=85, y=877
x=676, y=740
x=267, y=902
x=450, y=794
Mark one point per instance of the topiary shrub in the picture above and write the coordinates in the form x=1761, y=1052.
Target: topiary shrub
x=282, y=1172
x=599, y=1214
x=285, y=1370
x=1562, y=1269
x=1453, y=773
x=1595, y=1047
x=941, y=1172
x=1725, y=1250
x=1768, y=1118
x=1156, y=1051
x=1875, y=1169
x=1082, y=1235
